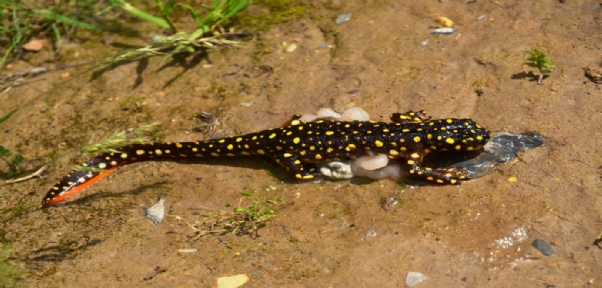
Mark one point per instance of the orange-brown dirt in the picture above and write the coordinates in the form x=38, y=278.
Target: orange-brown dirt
x=328, y=234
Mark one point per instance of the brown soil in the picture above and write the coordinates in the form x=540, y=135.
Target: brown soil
x=328, y=234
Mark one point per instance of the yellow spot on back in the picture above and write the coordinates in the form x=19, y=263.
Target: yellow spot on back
x=312, y=148
x=410, y=162
x=245, y=153
x=139, y=152
x=124, y=155
x=194, y=149
x=214, y=154
x=417, y=139
x=378, y=143
x=318, y=156
x=238, y=139
x=329, y=133
x=230, y=147
x=287, y=155
x=302, y=152
x=296, y=140
x=178, y=145
x=405, y=130
x=449, y=121
x=254, y=138
x=393, y=152
x=449, y=141
x=102, y=165
x=415, y=155
x=272, y=136
x=260, y=151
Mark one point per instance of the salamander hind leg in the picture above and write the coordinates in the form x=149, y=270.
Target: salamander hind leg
x=440, y=176
x=293, y=165
x=410, y=117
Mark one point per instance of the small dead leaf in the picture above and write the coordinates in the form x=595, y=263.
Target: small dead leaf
x=34, y=45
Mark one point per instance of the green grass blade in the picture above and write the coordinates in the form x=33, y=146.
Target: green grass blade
x=53, y=16
x=138, y=13
x=7, y=115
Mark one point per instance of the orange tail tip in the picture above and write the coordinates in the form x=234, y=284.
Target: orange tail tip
x=56, y=196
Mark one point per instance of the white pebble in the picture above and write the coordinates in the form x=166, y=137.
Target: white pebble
x=156, y=212
x=414, y=278
x=232, y=281
x=445, y=31
x=291, y=48
x=343, y=18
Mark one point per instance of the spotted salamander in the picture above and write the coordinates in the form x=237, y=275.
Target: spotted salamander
x=298, y=146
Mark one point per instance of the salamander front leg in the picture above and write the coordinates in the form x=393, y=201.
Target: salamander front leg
x=294, y=120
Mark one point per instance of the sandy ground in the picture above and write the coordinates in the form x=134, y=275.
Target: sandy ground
x=328, y=234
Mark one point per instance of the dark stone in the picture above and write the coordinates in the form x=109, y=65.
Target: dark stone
x=543, y=247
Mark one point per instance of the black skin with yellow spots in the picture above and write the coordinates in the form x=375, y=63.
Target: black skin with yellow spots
x=298, y=146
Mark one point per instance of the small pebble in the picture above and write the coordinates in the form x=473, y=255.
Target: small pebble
x=191, y=250
x=156, y=212
x=444, y=31
x=425, y=42
x=343, y=18
x=543, y=247
x=481, y=17
x=291, y=48
x=232, y=281
x=446, y=22
x=414, y=278
x=371, y=234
